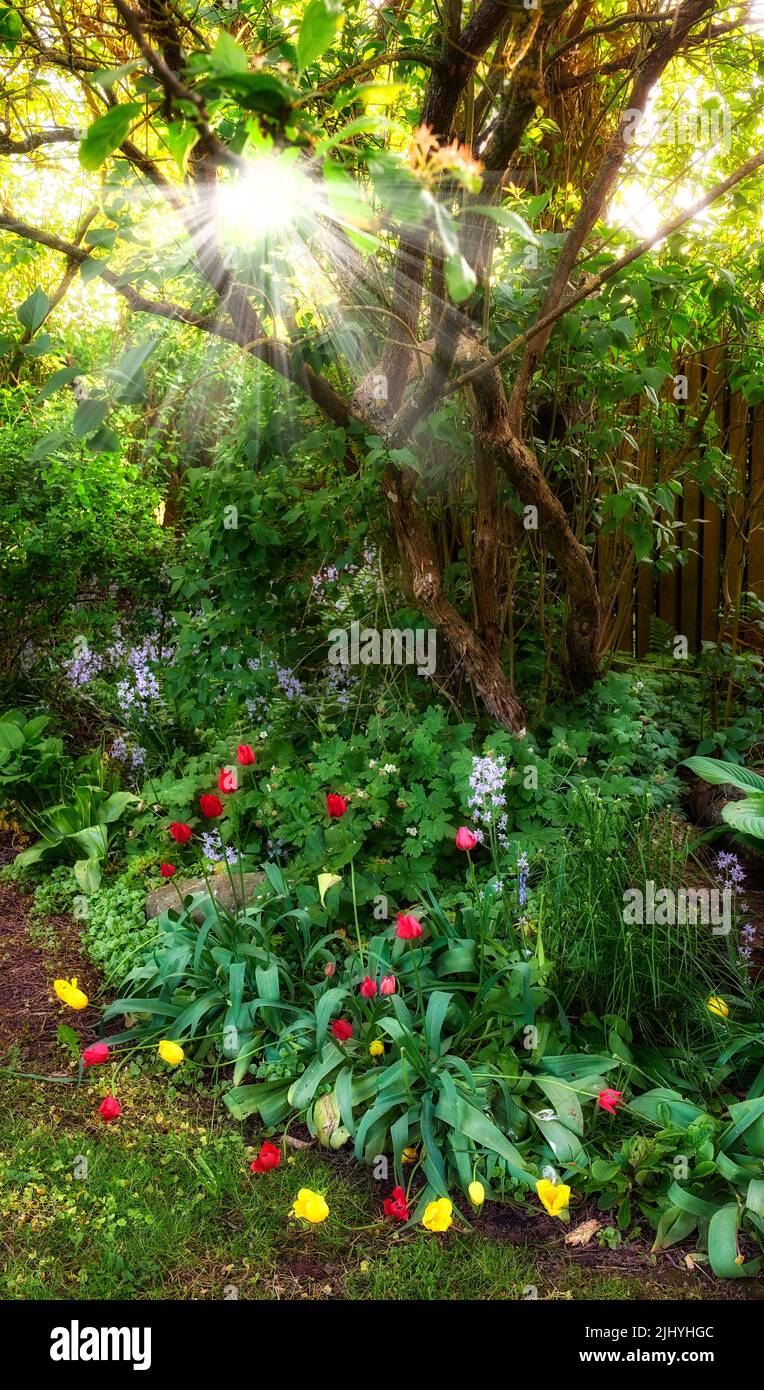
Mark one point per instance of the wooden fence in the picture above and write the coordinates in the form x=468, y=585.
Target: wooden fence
x=700, y=599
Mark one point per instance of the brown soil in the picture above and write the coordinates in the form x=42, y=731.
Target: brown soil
x=667, y=1273
x=30, y=1013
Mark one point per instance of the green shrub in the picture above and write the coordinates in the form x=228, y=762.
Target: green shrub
x=75, y=525
x=32, y=766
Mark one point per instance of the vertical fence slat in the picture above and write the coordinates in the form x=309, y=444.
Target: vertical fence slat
x=712, y=529
x=756, y=527
x=726, y=550
x=692, y=531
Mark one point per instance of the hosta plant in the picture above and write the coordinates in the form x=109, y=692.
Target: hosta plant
x=746, y=816
x=79, y=830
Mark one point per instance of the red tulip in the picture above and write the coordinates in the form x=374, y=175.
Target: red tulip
x=227, y=780
x=245, y=755
x=609, y=1100
x=329, y=969
x=167, y=870
x=181, y=833
x=342, y=1030
x=388, y=984
x=368, y=988
x=465, y=838
x=210, y=806
x=407, y=927
x=109, y=1108
x=268, y=1157
x=396, y=1205
x=336, y=805
x=95, y=1054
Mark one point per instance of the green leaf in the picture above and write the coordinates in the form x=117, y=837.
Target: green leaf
x=748, y=1119
x=106, y=134
x=746, y=816
x=228, y=56
x=68, y=1038
x=650, y=1105
x=565, y=1101
x=467, y=1120
x=90, y=415
x=48, y=445
x=723, y=1248
x=460, y=278
x=268, y=1100
x=674, y=1225
x=641, y=537
x=135, y=1005
x=11, y=27
x=350, y=208
x=33, y=312
x=106, y=77
x=38, y=347
x=508, y=219
x=304, y=1089
x=755, y=1196
x=320, y=24
x=128, y=374
x=181, y=138
x=60, y=378
x=91, y=269
x=437, y=1008
x=104, y=441
x=88, y=875
x=11, y=737
x=718, y=773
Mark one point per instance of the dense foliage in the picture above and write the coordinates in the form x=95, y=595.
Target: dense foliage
x=350, y=320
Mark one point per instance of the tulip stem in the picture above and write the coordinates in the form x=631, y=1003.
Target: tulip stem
x=416, y=980
x=355, y=914
x=33, y=1076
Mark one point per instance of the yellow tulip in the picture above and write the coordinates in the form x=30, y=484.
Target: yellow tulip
x=171, y=1052
x=717, y=1005
x=376, y=1048
x=437, y=1215
x=325, y=882
x=69, y=993
x=410, y=1155
x=311, y=1206
x=476, y=1193
x=555, y=1196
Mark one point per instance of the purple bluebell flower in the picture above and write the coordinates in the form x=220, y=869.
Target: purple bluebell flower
x=522, y=879
x=487, y=801
x=289, y=683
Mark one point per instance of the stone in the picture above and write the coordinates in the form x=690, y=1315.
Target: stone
x=166, y=896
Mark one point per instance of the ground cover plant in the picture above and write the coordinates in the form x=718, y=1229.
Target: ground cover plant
x=381, y=693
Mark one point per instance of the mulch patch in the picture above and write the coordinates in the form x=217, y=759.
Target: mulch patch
x=667, y=1272
x=30, y=1013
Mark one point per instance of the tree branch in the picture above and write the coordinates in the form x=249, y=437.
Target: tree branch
x=660, y=54
x=269, y=350
x=57, y=136
x=596, y=282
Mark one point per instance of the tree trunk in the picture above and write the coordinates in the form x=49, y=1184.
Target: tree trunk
x=495, y=433
x=482, y=665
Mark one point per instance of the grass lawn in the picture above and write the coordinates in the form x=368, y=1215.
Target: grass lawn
x=165, y=1208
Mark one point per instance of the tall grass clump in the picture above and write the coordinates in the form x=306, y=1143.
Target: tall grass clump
x=657, y=976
